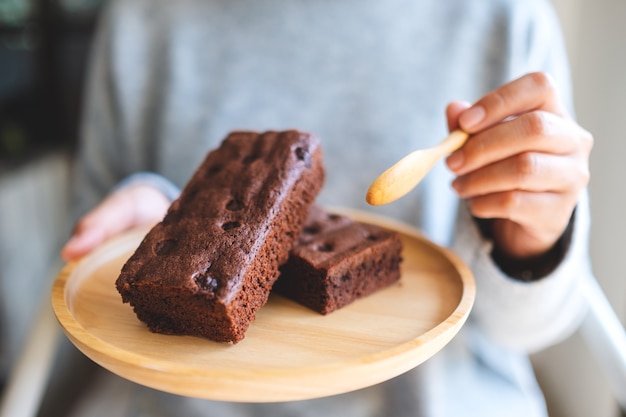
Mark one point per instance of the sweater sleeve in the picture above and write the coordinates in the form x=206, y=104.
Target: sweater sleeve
x=529, y=316
x=170, y=190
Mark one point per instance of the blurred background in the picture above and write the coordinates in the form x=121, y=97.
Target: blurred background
x=596, y=39
x=43, y=50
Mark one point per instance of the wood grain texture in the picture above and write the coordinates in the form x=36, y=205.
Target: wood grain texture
x=409, y=171
x=289, y=352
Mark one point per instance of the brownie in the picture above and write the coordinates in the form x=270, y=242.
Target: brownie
x=337, y=260
x=209, y=266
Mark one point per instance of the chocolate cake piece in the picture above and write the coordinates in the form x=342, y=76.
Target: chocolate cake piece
x=337, y=260
x=210, y=264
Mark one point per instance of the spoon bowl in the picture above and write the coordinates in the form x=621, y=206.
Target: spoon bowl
x=405, y=174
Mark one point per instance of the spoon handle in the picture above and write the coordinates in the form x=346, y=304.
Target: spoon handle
x=454, y=141
x=405, y=174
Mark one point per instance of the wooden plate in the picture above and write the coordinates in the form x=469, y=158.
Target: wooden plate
x=289, y=352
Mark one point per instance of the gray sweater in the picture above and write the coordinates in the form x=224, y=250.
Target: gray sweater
x=170, y=79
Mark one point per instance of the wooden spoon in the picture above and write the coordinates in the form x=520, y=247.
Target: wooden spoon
x=405, y=174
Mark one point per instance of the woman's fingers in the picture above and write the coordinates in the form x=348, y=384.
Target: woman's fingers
x=81, y=243
x=112, y=216
x=535, y=91
x=530, y=171
x=537, y=131
x=536, y=211
x=121, y=211
x=453, y=111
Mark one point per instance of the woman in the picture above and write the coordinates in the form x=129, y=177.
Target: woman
x=375, y=81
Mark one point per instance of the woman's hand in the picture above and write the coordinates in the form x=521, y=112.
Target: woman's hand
x=126, y=208
x=524, y=165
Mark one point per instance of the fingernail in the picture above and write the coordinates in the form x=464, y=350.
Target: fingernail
x=455, y=160
x=67, y=251
x=73, y=241
x=76, y=244
x=472, y=117
x=456, y=184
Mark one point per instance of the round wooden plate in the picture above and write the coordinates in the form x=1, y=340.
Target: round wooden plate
x=289, y=352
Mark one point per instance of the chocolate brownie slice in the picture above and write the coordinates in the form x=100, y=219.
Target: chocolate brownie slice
x=208, y=267
x=337, y=260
